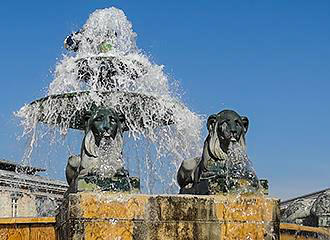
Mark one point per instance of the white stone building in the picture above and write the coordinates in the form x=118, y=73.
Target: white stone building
x=23, y=193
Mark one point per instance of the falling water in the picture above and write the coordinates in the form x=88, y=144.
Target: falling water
x=152, y=151
x=240, y=174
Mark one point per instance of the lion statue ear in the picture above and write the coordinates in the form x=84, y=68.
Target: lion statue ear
x=245, y=122
x=211, y=121
x=89, y=144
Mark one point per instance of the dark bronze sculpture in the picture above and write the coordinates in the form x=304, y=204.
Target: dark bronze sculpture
x=214, y=172
x=100, y=164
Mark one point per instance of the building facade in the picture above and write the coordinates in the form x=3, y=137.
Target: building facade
x=23, y=193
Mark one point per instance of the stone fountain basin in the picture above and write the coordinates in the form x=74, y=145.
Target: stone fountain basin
x=106, y=215
x=140, y=110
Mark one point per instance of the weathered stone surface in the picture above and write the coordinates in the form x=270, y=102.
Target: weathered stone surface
x=27, y=228
x=104, y=215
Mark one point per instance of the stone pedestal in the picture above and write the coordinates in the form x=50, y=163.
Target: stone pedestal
x=104, y=215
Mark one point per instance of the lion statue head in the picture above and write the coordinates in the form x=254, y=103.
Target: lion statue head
x=102, y=124
x=224, y=128
x=101, y=150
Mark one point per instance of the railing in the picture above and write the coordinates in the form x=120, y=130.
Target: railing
x=297, y=232
x=44, y=229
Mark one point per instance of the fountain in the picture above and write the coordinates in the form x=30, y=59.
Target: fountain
x=110, y=90
x=108, y=71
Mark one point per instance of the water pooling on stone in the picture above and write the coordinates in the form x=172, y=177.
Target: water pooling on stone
x=108, y=69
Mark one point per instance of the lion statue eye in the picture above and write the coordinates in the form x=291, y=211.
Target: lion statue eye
x=224, y=122
x=111, y=119
x=224, y=125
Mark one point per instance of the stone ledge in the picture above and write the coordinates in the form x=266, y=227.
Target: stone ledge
x=27, y=228
x=40, y=220
x=135, y=216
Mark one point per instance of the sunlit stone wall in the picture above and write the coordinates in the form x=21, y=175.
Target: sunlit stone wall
x=142, y=217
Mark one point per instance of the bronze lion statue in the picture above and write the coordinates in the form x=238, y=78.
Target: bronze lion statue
x=101, y=149
x=199, y=175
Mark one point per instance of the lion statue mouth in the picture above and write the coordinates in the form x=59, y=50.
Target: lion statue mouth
x=233, y=139
x=107, y=136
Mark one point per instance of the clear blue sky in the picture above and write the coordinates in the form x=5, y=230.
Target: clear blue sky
x=269, y=60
